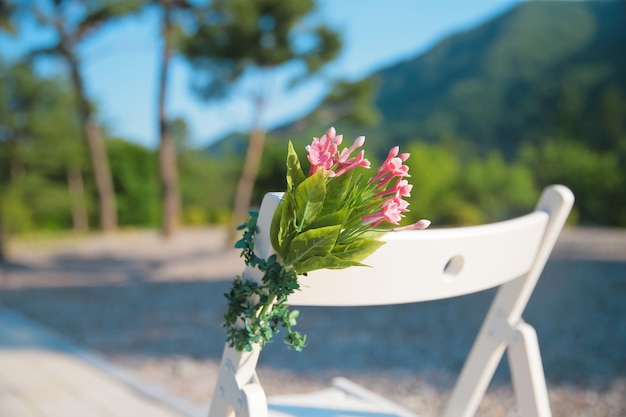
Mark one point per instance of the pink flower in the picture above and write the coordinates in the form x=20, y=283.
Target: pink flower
x=391, y=212
x=345, y=153
x=324, y=155
x=402, y=186
x=322, y=152
x=393, y=207
x=393, y=166
x=358, y=161
x=419, y=225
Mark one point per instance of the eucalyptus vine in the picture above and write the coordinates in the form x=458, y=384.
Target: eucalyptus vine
x=257, y=311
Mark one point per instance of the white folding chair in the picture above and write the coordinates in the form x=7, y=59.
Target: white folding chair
x=416, y=266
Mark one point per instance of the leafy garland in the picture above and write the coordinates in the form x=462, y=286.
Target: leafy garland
x=249, y=322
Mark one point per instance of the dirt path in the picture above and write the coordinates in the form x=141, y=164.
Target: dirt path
x=156, y=307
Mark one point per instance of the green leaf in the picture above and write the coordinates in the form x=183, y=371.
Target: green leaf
x=332, y=219
x=357, y=251
x=294, y=172
x=354, y=219
x=277, y=232
x=336, y=191
x=314, y=242
x=309, y=199
x=324, y=262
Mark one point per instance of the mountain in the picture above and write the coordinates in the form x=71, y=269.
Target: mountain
x=542, y=68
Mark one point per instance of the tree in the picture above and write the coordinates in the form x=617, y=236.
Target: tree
x=41, y=156
x=239, y=40
x=58, y=149
x=137, y=189
x=167, y=150
x=168, y=165
x=72, y=22
x=595, y=177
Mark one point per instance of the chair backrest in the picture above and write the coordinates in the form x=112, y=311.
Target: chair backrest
x=441, y=263
x=425, y=265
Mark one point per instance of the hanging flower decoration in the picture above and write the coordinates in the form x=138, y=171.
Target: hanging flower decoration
x=326, y=219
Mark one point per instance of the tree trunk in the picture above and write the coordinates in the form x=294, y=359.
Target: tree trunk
x=97, y=152
x=169, y=184
x=80, y=219
x=245, y=187
x=102, y=173
x=168, y=169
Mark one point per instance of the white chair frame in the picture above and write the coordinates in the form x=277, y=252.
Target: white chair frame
x=428, y=265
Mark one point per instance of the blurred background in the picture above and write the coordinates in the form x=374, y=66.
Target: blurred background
x=170, y=118
x=155, y=114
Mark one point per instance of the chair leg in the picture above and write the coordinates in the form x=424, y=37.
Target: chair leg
x=255, y=400
x=529, y=381
x=238, y=391
x=476, y=375
x=220, y=408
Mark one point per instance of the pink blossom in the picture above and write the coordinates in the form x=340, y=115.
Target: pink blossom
x=393, y=166
x=391, y=212
x=402, y=186
x=419, y=225
x=393, y=207
x=323, y=154
x=330, y=133
x=358, y=161
x=345, y=153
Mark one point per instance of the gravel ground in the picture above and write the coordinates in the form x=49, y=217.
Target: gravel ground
x=156, y=307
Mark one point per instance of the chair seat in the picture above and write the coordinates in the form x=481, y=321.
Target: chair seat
x=344, y=398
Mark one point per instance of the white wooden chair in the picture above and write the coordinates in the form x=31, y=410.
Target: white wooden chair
x=419, y=266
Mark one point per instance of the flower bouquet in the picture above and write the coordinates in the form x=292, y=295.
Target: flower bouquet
x=327, y=219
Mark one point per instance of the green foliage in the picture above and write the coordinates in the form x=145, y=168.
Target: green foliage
x=598, y=179
x=39, y=146
x=134, y=175
x=450, y=189
x=194, y=216
x=435, y=173
x=35, y=202
x=19, y=218
x=208, y=182
x=256, y=311
x=500, y=191
x=239, y=45
x=236, y=36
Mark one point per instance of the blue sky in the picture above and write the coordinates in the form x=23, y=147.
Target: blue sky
x=120, y=63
